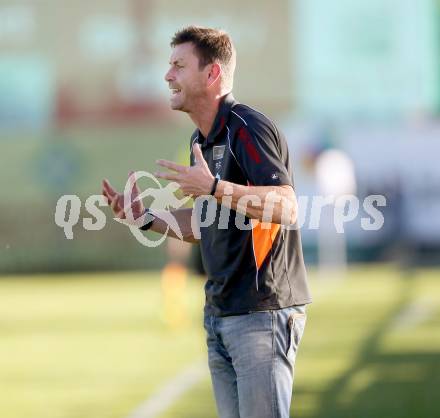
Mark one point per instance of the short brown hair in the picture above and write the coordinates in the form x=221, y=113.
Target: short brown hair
x=211, y=45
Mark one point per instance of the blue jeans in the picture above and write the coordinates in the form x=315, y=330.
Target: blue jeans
x=251, y=359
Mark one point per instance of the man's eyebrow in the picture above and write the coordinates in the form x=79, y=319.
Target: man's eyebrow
x=176, y=61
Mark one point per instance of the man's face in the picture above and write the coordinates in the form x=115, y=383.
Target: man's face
x=186, y=81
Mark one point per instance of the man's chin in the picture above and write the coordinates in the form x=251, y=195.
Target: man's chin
x=174, y=104
x=177, y=106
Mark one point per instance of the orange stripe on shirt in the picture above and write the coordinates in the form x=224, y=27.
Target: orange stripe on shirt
x=263, y=239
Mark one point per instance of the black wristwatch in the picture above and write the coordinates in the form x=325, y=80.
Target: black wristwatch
x=214, y=186
x=152, y=217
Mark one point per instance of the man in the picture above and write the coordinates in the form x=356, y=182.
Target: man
x=256, y=290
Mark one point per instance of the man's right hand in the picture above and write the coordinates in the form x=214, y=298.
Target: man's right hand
x=176, y=224
x=116, y=200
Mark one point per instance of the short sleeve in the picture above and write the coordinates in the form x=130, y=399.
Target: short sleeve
x=260, y=154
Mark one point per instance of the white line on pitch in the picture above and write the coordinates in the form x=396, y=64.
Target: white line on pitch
x=171, y=391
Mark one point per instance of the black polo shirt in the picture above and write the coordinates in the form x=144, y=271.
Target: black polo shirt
x=256, y=268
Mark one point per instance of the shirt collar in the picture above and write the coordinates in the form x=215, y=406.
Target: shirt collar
x=225, y=106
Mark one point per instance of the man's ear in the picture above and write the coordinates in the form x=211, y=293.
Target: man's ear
x=214, y=73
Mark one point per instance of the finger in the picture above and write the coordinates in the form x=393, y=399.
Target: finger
x=114, y=203
x=136, y=202
x=132, y=177
x=198, y=154
x=134, y=186
x=108, y=188
x=104, y=193
x=171, y=165
x=168, y=176
x=134, y=190
x=121, y=214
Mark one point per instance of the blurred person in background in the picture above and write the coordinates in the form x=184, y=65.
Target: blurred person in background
x=256, y=290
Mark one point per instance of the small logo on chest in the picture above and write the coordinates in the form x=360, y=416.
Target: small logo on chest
x=218, y=152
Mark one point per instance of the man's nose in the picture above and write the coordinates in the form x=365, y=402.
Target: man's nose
x=168, y=76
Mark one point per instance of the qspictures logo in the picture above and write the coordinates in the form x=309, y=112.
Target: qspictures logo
x=346, y=209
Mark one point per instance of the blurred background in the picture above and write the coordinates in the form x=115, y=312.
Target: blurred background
x=100, y=326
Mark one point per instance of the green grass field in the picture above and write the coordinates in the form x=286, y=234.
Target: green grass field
x=96, y=346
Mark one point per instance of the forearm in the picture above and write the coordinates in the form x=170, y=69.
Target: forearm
x=183, y=219
x=275, y=204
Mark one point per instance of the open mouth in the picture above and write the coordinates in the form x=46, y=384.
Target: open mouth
x=175, y=91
